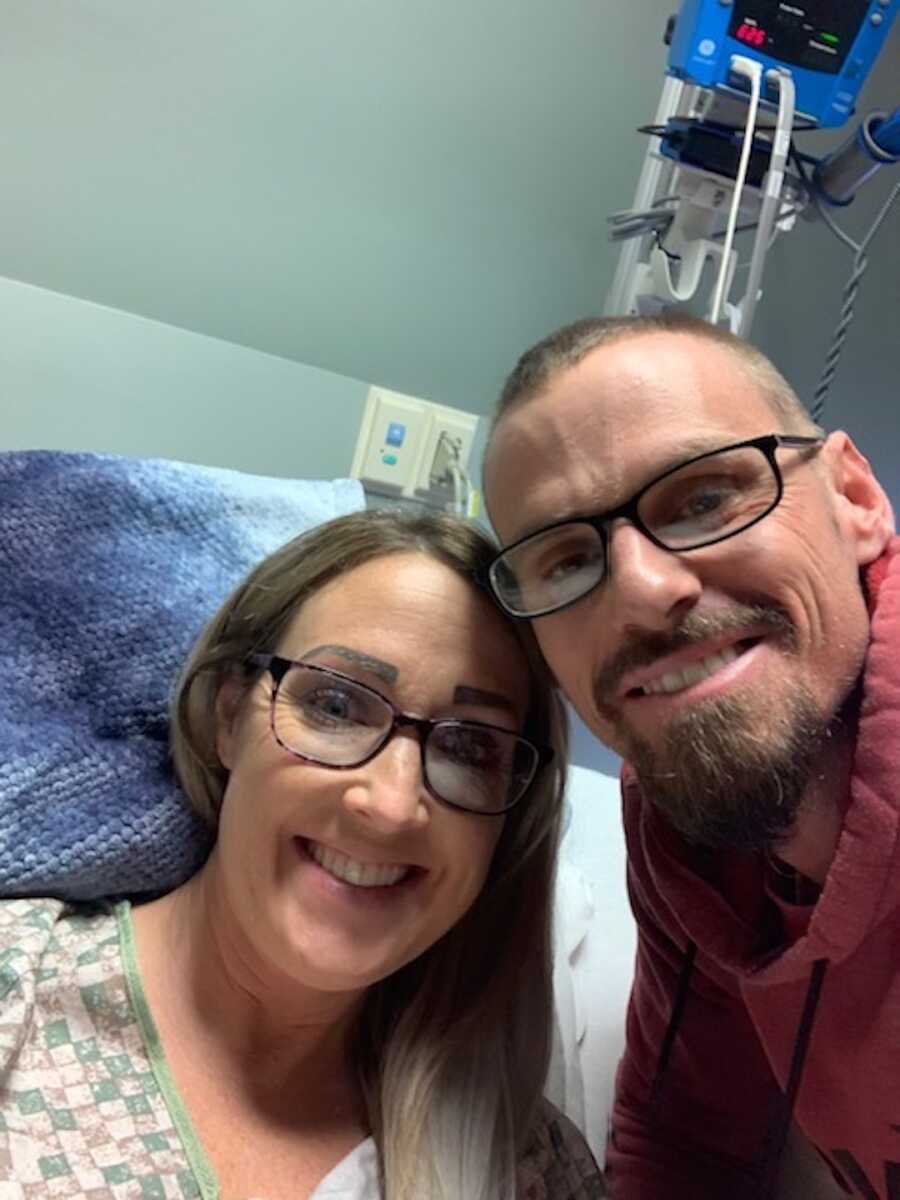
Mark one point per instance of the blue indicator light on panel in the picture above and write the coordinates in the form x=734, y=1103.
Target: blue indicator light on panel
x=396, y=432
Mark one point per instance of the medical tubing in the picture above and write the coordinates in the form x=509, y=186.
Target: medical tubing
x=753, y=70
x=781, y=143
x=860, y=262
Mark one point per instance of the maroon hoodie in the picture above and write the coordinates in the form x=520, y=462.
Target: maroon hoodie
x=746, y=1012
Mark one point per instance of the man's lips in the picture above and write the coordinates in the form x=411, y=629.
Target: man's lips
x=635, y=683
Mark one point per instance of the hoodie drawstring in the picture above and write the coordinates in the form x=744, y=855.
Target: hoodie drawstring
x=783, y=1112
x=675, y=1017
x=784, y=1108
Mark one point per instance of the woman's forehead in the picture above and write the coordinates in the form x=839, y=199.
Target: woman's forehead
x=408, y=613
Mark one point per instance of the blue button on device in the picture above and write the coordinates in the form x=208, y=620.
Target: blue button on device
x=390, y=460
x=396, y=432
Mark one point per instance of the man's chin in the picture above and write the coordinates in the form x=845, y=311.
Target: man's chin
x=726, y=777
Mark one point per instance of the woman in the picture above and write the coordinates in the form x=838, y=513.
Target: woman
x=352, y=997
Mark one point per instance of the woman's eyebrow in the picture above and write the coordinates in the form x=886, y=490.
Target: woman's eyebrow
x=472, y=695
x=386, y=671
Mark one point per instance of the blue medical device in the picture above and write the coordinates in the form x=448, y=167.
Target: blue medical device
x=744, y=78
x=828, y=45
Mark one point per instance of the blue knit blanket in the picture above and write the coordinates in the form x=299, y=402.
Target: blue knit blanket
x=109, y=568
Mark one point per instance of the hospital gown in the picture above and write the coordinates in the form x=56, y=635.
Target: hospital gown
x=88, y=1105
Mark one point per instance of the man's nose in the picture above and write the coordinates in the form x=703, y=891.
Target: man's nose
x=388, y=792
x=650, y=588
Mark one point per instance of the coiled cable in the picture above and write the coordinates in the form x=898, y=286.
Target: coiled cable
x=851, y=288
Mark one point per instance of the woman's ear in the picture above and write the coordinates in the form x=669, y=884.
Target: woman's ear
x=228, y=705
x=863, y=510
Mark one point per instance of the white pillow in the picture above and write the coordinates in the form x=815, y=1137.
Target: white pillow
x=595, y=944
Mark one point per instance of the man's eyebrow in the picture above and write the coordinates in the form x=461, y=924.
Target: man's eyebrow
x=472, y=695
x=690, y=448
x=384, y=670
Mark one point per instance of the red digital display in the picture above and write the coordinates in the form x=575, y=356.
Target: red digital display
x=751, y=35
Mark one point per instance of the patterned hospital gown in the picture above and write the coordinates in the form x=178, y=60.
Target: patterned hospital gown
x=88, y=1106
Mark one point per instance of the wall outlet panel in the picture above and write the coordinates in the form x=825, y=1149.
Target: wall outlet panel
x=389, y=448
x=399, y=441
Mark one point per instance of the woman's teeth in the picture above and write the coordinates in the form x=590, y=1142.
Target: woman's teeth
x=349, y=870
x=676, y=681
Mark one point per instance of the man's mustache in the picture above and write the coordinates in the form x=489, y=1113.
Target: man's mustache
x=694, y=628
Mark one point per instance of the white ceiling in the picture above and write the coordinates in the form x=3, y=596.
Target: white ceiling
x=408, y=192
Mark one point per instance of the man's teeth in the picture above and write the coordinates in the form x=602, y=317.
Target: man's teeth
x=349, y=870
x=676, y=681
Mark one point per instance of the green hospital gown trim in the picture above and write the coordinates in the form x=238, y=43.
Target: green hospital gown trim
x=204, y=1174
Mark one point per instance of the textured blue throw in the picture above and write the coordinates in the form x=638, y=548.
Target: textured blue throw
x=109, y=568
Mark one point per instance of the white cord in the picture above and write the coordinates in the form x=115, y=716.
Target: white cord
x=460, y=490
x=781, y=144
x=753, y=71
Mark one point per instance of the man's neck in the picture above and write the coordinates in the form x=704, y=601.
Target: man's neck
x=812, y=845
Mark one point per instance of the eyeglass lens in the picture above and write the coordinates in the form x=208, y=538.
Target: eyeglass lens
x=336, y=722
x=704, y=501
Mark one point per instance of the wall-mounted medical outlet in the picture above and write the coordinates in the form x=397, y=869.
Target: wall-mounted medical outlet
x=391, y=437
x=448, y=444
x=411, y=447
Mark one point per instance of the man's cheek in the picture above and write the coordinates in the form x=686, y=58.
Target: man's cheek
x=558, y=642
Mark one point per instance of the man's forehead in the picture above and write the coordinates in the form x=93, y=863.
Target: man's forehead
x=653, y=389
x=660, y=372
x=605, y=426
x=544, y=463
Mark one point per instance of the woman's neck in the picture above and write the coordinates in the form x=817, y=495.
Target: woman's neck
x=216, y=1001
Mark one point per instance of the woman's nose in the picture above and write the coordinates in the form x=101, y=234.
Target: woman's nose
x=389, y=790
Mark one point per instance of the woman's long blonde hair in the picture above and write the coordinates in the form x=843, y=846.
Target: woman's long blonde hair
x=453, y=1048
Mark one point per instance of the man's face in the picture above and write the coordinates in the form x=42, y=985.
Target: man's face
x=719, y=671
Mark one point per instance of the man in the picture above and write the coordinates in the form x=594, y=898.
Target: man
x=715, y=584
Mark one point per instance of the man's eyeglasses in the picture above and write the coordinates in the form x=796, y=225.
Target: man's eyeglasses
x=328, y=718
x=697, y=503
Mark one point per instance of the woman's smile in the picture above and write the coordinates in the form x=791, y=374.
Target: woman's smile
x=357, y=873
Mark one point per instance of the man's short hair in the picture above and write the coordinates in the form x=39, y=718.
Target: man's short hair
x=568, y=346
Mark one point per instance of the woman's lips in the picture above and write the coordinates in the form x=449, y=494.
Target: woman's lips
x=359, y=876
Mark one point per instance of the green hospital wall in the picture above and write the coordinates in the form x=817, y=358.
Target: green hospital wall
x=78, y=376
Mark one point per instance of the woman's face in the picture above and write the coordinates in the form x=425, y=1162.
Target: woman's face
x=336, y=878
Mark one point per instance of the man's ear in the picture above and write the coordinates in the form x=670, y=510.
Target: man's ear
x=863, y=510
x=228, y=705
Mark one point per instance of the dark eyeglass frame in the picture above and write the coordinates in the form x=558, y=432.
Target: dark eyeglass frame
x=600, y=522
x=278, y=668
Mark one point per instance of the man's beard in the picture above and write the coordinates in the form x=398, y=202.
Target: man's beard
x=722, y=781
x=726, y=775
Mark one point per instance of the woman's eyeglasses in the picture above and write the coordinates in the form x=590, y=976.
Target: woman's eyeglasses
x=333, y=720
